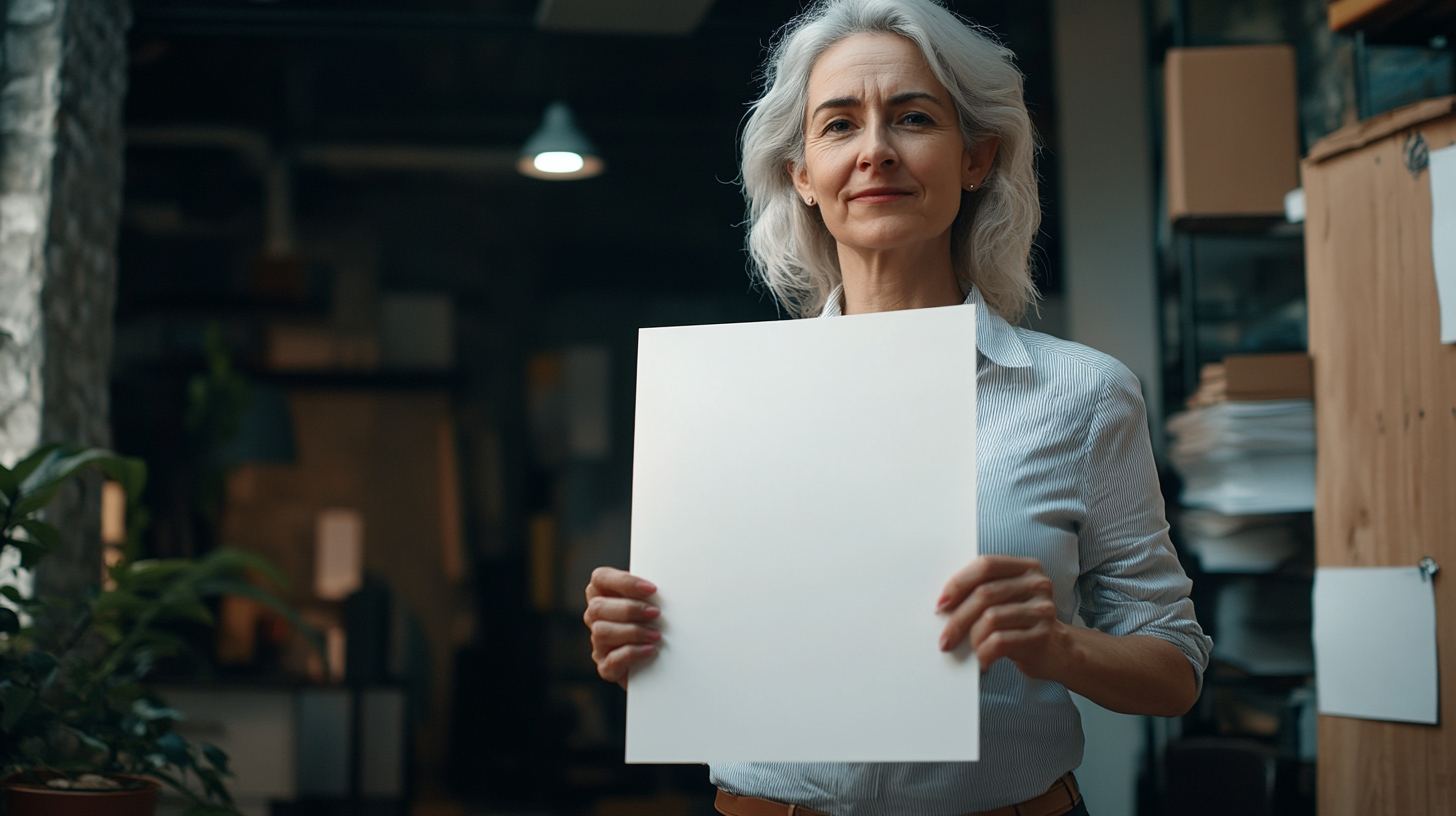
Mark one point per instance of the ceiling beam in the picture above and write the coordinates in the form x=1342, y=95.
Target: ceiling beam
x=390, y=25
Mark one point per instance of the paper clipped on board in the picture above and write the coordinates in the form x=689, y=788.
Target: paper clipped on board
x=1443, y=236
x=1375, y=643
x=802, y=490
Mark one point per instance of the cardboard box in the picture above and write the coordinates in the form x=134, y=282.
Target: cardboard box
x=1255, y=377
x=1232, y=128
x=1268, y=376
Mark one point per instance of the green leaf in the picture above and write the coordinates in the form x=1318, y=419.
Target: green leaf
x=212, y=783
x=118, y=600
x=175, y=749
x=91, y=742
x=12, y=594
x=30, y=552
x=188, y=607
x=17, y=701
x=217, y=757
x=273, y=602
x=56, y=464
x=42, y=533
x=31, y=462
x=146, y=711
x=38, y=663
x=9, y=621
x=160, y=644
x=108, y=630
x=229, y=561
x=154, y=573
x=29, y=503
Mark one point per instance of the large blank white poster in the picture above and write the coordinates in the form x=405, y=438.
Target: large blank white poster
x=802, y=491
x=1375, y=643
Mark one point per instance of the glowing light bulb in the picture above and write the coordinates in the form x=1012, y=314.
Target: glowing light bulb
x=558, y=162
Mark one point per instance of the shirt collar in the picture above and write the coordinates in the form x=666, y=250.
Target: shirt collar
x=995, y=338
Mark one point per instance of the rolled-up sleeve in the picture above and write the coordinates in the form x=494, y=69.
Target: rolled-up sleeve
x=1130, y=580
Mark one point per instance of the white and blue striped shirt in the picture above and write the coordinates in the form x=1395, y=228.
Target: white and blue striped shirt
x=1065, y=475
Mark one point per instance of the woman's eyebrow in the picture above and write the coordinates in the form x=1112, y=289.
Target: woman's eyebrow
x=838, y=102
x=911, y=96
x=897, y=99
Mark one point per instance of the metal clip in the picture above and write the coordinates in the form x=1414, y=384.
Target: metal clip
x=1417, y=154
x=1429, y=568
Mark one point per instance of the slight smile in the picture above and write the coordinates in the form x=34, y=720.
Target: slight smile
x=879, y=195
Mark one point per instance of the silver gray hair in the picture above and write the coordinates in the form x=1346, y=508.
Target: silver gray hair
x=791, y=250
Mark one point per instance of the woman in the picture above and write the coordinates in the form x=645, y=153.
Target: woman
x=888, y=165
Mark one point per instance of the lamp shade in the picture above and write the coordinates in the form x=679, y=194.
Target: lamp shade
x=558, y=150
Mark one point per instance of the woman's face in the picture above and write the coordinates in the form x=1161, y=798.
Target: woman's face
x=883, y=156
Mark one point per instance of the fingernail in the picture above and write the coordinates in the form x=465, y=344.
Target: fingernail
x=647, y=648
x=653, y=634
x=650, y=612
x=941, y=602
x=945, y=643
x=646, y=587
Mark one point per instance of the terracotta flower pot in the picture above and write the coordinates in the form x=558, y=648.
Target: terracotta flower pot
x=29, y=799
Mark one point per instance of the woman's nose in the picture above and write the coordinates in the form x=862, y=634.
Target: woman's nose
x=876, y=150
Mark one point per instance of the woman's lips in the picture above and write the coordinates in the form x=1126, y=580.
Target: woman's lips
x=879, y=195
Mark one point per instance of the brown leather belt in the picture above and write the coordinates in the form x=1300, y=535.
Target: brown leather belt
x=1061, y=797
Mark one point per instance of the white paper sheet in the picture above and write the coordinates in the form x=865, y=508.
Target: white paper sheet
x=802, y=491
x=1443, y=235
x=1375, y=643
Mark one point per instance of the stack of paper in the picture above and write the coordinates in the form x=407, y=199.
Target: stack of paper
x=1257, y=543
x=1242, y=458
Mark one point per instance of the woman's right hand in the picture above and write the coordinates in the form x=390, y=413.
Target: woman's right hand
x=616, y=613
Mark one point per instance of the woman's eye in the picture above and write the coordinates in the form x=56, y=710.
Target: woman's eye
x=916, y=119
x=838, y=126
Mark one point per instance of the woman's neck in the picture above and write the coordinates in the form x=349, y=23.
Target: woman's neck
x=900, y=278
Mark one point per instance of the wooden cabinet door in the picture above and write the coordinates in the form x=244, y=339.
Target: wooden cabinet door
x=1385, y=412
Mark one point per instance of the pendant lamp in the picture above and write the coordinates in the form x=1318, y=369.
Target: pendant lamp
x=557, y=150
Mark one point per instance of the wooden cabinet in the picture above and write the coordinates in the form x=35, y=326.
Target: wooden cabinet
x=1385, y=408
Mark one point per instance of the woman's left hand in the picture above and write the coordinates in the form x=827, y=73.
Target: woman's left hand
x=1005, y=605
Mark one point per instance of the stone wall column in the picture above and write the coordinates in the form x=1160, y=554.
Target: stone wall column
x=60, y=202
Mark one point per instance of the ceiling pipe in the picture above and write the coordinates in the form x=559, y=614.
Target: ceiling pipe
x=273, y=169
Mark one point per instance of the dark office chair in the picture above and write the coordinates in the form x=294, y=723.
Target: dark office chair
x=1218, y=776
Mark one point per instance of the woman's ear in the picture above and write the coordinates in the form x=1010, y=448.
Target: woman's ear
x=977, y=160
x=799, y=174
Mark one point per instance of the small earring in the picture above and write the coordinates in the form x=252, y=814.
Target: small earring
x=809, y=201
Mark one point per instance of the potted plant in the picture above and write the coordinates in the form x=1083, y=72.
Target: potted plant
x=80, y=731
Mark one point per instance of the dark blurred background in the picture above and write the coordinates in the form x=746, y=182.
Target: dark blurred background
x=331, y=190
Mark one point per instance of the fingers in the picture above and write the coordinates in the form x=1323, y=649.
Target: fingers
x=616, y=613
x=616, y=647
x=982, y=569
x=1021, y=646
x=607, y=637
x=994, y=595
x=1017, y=617
x=620, y=610
x=618, y=663
x=610, y=582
